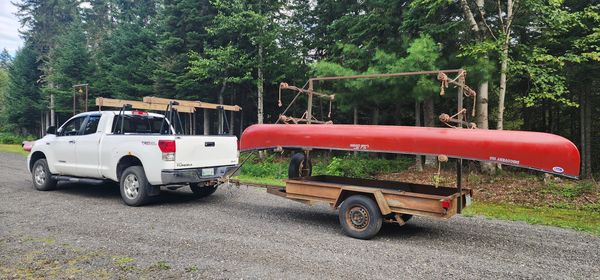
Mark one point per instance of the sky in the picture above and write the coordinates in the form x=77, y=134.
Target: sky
x=9, y=27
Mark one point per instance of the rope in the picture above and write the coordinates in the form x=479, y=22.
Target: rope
x=443, y=78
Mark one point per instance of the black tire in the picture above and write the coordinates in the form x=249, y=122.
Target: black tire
x=360, y=217
x=299, y=166
x=200, y=190
x=41, y=177
x=134, y=186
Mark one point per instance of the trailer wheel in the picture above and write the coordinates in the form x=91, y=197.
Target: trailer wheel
x=299, y=166
x=134, y=186
x=200, y=190
x=360, y=217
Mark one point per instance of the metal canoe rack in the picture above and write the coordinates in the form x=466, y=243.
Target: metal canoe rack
x=458, y=120
x=168, y=105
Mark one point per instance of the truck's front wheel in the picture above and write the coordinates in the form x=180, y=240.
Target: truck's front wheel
x=201, y=190
x=134, y=186
x=40, y=174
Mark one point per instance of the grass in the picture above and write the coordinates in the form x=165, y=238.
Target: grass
x=582, y=220
x=252, y=180
x=13, y=148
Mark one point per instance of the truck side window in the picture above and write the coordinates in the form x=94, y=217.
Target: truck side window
x=91, y=125
x=72, y=127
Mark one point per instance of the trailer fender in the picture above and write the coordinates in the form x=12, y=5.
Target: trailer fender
x=377, y=195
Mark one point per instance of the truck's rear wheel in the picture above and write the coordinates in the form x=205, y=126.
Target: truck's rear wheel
x=134, y=186
x=299, y=166
x=360, y=217
x=41, y=177
x=201, y=190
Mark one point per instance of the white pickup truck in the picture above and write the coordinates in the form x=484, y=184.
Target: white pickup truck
x=139, y=150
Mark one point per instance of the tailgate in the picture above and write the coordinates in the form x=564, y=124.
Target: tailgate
x=205, y=151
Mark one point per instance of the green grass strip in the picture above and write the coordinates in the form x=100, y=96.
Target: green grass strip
x=582, y=220
x=13, y=148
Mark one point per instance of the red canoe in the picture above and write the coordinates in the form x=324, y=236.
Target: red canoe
x=535, y=150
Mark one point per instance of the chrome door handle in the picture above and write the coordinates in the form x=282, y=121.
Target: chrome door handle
x=72, y=142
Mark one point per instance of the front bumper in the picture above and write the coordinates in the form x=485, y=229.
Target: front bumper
x=194, y=175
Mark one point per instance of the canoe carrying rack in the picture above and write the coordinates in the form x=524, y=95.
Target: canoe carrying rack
x=172, y=108
x=456, y=121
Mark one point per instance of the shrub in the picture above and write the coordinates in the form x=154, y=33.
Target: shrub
x=9, y=138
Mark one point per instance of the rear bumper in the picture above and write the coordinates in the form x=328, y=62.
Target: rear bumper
x=194, y=175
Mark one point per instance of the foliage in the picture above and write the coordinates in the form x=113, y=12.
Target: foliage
x=11, y=138
x=202, y=49
x=276, y=167
x=23, y=98
x=126, y=62
x=364, y=167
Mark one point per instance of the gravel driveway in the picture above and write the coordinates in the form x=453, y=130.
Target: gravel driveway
x=85, y=231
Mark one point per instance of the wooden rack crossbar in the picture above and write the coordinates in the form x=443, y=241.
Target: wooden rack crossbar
x=109, y=102
x=192, y=104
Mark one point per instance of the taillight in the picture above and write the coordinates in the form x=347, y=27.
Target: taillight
x=168, y=148
x=446, y=204
x=139, y=113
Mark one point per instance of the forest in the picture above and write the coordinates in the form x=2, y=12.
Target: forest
x=534, y=64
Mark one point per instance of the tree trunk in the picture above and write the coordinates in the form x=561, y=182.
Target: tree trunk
x=206, y=120
x=260, y=84
x=469, y=16
x=375, y=120
x=585, y=127
x=506, y=26
x=482, y=119
x=355, y=116
x=482, y=106
x=502, y=95
x=418, y=159
x=52, y=115
x=220, y=112
x=429, y=121
x=232, y=116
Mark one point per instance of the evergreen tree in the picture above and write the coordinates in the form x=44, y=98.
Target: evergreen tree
x=126, y=61
x=70, y=64
x=5, y=59
x=182, y=29
x=22, y=101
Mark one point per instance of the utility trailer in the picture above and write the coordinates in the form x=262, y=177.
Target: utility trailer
x=365, y=204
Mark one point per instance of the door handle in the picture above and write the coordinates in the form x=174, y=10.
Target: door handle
x=209, y=144
x=71, y=141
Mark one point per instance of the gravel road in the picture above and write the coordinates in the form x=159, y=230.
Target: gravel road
x=85, y=231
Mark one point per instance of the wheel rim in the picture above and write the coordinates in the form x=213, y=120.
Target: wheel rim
x=131, y=186
x=357, y=217
x=39, y=175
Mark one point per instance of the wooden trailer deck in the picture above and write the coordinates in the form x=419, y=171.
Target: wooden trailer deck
x=364, y=204
x=392, y=197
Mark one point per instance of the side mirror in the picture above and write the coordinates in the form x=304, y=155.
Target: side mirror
x=51, y=130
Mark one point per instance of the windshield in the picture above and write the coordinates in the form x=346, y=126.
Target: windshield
x=136, y=124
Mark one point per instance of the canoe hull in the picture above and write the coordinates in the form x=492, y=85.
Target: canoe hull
x=534, y=150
